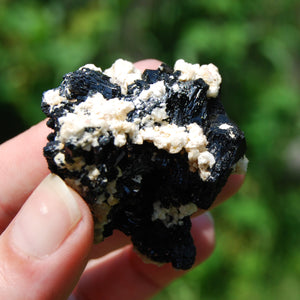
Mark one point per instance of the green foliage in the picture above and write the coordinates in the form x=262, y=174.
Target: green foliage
x=255, y=44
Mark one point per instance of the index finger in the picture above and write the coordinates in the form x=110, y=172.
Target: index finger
x=22, y=168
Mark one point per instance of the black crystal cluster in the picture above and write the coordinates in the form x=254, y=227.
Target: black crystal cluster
x=143, y=190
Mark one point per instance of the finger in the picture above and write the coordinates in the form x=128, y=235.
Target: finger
x=22, y=168
x=45, y=248
x=233, y=184
x=125, y=276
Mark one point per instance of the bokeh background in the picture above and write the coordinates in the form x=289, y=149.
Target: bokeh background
x=255, y=44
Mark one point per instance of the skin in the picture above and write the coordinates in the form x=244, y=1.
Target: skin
x=115, y=271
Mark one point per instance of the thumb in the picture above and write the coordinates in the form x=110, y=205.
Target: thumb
x=45, y=248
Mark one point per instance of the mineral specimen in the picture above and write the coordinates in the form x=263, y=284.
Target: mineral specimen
x=145, y=150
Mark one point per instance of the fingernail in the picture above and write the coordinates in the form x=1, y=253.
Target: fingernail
x=46, y=219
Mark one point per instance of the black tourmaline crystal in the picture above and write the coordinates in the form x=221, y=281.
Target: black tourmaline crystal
x=144, y=153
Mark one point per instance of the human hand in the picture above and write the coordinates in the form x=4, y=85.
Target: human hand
x=46, y=245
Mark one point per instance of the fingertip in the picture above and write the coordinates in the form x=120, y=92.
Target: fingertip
x=53, y=232
x=237, y=179
x=203, y=232
x=233, y=184
x=150, y=63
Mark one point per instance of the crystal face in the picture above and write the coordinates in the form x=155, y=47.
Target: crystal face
x=144, y=150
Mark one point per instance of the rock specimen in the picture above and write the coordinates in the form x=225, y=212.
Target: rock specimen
x=145, y=150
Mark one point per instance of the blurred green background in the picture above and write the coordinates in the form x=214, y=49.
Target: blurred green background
x=255, y=44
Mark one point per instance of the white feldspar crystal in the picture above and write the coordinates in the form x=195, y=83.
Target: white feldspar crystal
x=123, y=73
x=241, y=166
x=209, y=73
x=91, y=67
x=172, y=215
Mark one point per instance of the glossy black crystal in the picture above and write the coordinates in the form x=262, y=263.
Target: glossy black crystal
x=142, y=174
